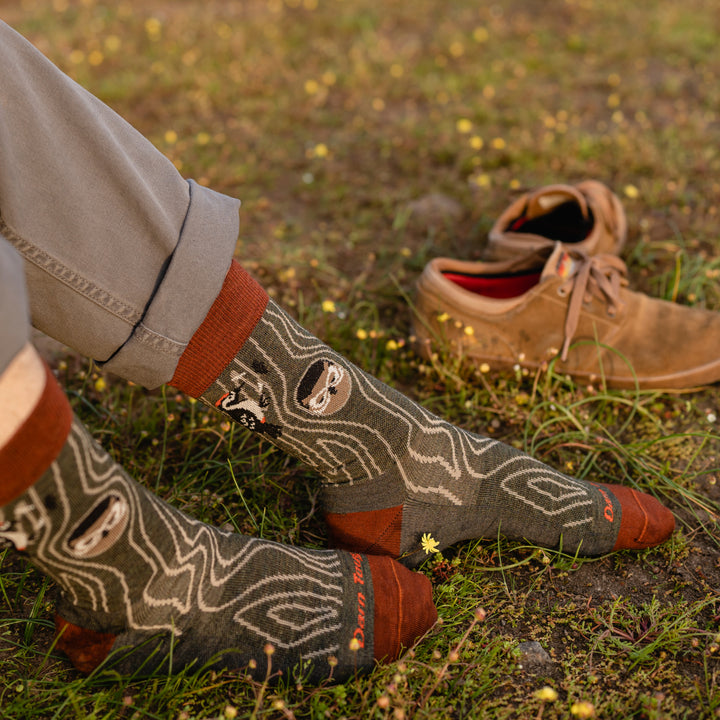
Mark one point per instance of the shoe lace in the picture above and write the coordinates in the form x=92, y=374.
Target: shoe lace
x=599, y=276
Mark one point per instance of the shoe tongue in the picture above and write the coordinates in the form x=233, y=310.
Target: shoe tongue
x=542, y=202
x=560, y=264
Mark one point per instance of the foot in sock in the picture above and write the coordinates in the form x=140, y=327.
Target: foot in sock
x=393, y=471
x=162, y=591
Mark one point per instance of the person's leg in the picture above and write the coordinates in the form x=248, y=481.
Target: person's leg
x=166, y=591
x=393, y=471
x=105, y=223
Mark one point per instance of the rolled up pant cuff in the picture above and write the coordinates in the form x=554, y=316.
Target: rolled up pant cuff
x=192, y=280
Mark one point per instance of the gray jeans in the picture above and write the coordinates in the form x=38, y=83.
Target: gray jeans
x=122, y=257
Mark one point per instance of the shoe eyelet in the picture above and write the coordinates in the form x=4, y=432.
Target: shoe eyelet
x=562, y=292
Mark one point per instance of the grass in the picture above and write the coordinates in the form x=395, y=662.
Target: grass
x=329, y=118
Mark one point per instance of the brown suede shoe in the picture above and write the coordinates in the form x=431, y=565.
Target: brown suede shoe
x=587, y=217
x=564, y=305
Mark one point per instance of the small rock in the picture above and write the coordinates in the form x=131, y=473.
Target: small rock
x=533, y=656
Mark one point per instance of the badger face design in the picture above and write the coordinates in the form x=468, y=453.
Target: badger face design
x=248, y=412
x=325, y=388
x=100, y=528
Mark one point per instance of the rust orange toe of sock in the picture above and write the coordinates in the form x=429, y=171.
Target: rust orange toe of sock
x=645, y=521
x=404, y=607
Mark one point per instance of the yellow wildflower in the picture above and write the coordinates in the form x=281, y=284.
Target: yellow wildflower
x=480, y=34
x=429, y=544
x=546, y=694
x=153, y=28
x=631, y=191
x=328, y=306
x=583, y=709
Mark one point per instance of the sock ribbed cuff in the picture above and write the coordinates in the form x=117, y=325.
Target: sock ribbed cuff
x=37, y=442
x=228, y=324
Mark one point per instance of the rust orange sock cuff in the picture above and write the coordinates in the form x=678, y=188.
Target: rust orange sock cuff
x=37, y=442
x=228, y=324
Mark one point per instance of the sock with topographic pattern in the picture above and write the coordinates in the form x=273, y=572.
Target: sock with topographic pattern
x=161, y=591
x=398, y=480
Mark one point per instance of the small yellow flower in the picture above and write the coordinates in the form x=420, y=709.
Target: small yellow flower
x=153, y=27
x=328, y=306
x=469, y=330
x=631, y=191
x=484, y=368
x=429, y=544
x=463, y=125
x=354, y=644
x=391, y=345
x=476, y=142
x=480, y=34
x=443, y=317
x=95, y=58
x=546, y=694
x=321, y=150
x=361, y=334
x=311, y=87
x=100, y=384
x=457, y=49
x=112, y=43
x=583, y=709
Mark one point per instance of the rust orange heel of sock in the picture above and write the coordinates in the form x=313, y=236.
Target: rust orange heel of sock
x=375, y=532
x=85, y=648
